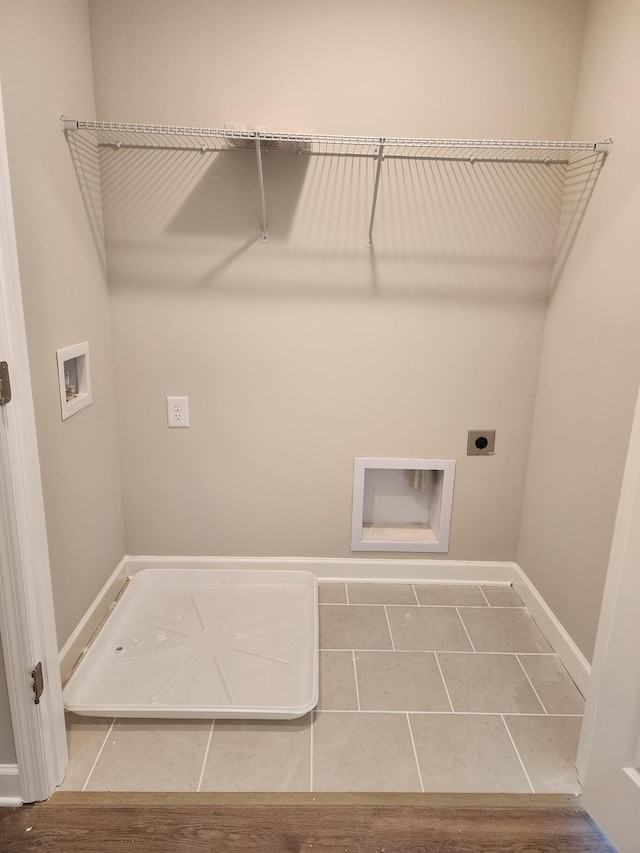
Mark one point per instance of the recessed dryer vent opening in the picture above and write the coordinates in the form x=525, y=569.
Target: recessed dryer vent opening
x=402, y=504
x=204, y=644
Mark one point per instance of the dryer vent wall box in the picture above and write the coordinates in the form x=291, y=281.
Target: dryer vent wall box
x=402, y=504
x=74, y=378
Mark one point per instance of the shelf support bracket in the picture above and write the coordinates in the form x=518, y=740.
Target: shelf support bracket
x=375, y=195
x=68, y=124
x=263, y=204
x=604, y=147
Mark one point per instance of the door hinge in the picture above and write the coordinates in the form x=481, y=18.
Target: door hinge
x=38, y=682
x=5, y=384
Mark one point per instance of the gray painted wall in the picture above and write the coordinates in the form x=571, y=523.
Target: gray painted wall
x=590, y=368
x=299, y=355
x=46, y=70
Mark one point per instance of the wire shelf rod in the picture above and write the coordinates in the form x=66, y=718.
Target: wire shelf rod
x=461, y=158
x=205, y=149
x=539, y=161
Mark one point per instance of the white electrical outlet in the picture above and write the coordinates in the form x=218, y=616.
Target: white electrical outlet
x=178, y=411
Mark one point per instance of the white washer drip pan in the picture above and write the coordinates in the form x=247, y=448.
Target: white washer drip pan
x=204, y=643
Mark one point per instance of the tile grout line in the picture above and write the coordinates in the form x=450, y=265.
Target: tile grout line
x=446, y=713
x=415, y=752
x=413, y=587
x=355, y=677
x=206, y=755
x=448, y=651
x=504, y=723
x=446, y=689
x=544, y=707
x=448, y=606
x=100, y=751
x=484, y=596
x=346, y=593
x=473, y=648
x=386, y=616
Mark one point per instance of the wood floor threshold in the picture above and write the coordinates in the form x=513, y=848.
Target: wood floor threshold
x=158, y=822
x=116, y=799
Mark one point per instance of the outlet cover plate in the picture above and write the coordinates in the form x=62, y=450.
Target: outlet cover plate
x=177, y=412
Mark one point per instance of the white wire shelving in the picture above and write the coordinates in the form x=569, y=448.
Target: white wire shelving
x=119, y=135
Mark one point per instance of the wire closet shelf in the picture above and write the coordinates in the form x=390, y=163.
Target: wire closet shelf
x=123, y=135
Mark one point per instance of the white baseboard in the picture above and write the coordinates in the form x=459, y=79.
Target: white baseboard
x=91, y=620
x=572, y=658
x=344, y=569
x=10, y=785
x=347, y=568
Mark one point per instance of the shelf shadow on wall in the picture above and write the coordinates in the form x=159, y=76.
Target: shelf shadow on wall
x=86, y=163
x=580, y=182
x=226, y=200
x=189, y=218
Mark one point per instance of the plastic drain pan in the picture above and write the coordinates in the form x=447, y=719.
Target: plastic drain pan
x=204, y=643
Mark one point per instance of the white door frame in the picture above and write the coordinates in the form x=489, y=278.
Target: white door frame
x=27, y=625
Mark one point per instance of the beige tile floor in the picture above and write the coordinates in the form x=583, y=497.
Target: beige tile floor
x=423, y=687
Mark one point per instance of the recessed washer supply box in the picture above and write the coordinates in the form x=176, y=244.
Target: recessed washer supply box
x=204, y=644
x=74, y=378
x=402, y=504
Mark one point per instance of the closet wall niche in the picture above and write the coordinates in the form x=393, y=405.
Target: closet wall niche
x=321, y=298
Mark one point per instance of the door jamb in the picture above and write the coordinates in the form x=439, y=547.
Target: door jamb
x=618, y=565
x=27, y=623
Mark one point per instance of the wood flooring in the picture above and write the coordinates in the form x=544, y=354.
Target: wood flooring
x=293, y=823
